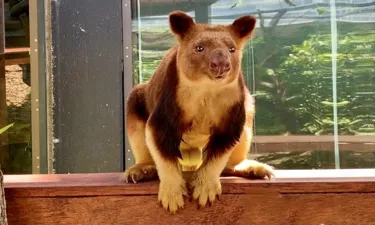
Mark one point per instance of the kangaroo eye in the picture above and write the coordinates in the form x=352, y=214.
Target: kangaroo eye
x=232, y=50
x=199, y=49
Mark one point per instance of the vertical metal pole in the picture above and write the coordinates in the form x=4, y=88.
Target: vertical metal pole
x=334, y=81
x=49, y=87
x=4, y=151
x=127, y=71
x=38, y=86
x=139, y=23
x=202, y=13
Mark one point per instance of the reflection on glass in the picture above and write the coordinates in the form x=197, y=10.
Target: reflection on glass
x=310, y=67
x=15, y=124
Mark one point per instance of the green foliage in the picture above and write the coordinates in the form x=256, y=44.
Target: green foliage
x=3, y=129
x=21, y=133
x=19, y=146
x=307, y=76
x=20, y=149
x=292, y=77
x=320, y=11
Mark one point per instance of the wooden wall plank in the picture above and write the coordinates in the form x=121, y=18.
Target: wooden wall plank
x=332, y=209
x=3, y=213
x=293, y=197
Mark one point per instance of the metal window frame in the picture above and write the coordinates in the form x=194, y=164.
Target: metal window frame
x=38, y=86
x=40, y=60
x=127, y=72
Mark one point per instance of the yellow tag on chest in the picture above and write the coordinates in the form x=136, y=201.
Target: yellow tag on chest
x=191, y=159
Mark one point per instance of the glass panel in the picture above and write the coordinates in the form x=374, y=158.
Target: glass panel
x=15, y=89
x=356, y=82
x=310, y=68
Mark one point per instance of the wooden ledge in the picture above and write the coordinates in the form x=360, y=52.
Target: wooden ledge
x=293, y=197
x=18, y=55
x=107, y=184
x=17, y=50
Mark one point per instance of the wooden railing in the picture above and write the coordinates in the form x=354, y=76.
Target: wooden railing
x=294, y=197
x=15, y=56
x=279, y=143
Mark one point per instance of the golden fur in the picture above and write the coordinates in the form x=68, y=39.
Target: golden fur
x=194, y=115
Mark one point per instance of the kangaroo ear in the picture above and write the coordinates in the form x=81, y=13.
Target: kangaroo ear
x=180, y=23
x=244, y=26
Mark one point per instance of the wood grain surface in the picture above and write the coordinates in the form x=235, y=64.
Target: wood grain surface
x=294, y=197
x=3, y=213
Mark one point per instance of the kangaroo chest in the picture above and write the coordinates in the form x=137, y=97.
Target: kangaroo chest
x=202, y=115
x=203, y=108
x=202, y=111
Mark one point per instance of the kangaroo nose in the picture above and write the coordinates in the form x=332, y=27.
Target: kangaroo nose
x=219, y=64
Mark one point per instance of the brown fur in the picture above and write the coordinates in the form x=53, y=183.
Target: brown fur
x=196, y=100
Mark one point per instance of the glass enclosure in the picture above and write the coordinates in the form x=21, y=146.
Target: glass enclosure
x=311, y=68
x=15, y=89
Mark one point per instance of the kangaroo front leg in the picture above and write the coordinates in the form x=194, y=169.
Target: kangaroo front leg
x=206, y=180
x=172, y=186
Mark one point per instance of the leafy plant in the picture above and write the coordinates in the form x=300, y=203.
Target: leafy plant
x=306, y=78
x=292, y=76
x=3, y=129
